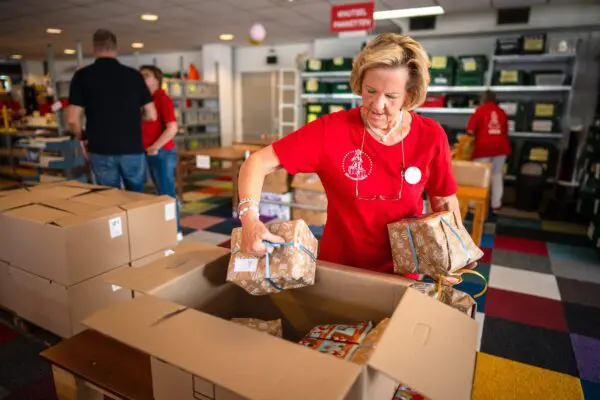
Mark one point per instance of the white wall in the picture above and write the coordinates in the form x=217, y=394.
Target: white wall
x=33, y=72
x=217, y=66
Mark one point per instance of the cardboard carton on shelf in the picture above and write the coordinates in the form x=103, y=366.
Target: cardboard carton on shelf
x=427, y=345
x=152, y=220
x=276, y=182
x=318, y=218
x=54, y=307
x=307, y=182
x=471, y=173
x=61, y=240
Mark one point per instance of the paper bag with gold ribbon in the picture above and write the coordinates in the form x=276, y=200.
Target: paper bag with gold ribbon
x=432, y=244
x=461, y=301
x=287, y=265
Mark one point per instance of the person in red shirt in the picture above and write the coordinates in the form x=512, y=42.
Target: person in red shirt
x=374, y=161
x=158, y=135
x=489, y=125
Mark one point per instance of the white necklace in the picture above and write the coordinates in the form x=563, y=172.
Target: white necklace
x=384, y=136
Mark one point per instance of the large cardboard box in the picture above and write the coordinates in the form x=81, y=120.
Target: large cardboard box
x=307, y=182
x=181, y=320
x=61, y=240
x=471, y=173
x=276, y=182
x=317, y=218
x=7, y=298
x=58, y=308
x=152, y=220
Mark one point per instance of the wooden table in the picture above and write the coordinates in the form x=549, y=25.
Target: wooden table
x=234, y=156
x=255, y=142
x=481, y=198
x=89, y=366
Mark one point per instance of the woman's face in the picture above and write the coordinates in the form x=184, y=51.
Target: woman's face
x=383, y=95
x=150, y=79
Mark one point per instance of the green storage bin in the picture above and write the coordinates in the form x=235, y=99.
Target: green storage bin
x=545, y=116
x=341, y=64
x=508, y=77
x=534, y=44
x=317, y=65
x=340, y=88
x=442, y=70
x=314, y=111
x=471, y=70
x=315, y=86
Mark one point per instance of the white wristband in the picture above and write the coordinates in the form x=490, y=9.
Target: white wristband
x=246, y=210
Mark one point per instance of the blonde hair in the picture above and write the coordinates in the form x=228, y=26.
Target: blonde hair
x=391, y=50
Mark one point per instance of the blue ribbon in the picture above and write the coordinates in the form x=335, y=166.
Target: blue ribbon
x=413, y=249
x=272, y=246
x=462, y=243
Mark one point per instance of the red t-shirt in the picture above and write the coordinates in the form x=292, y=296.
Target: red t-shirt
x=356, y=230
x=490, y=126
x=152, y=130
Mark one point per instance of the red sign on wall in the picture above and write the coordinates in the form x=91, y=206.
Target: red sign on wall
x=352, y=17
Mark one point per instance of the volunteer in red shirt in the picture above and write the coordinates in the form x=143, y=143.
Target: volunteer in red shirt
x=489, y=124
x=374, y=161
x=158, y=135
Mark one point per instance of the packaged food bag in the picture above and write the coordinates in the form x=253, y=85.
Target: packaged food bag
x=288, y=265
x=342, y=333
x=368, y=346
x=431, y=244
x=461, y=301
x=341, y=350
x=405, y=393
x=273, y=328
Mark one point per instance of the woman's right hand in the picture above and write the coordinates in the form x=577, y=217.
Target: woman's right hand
x=253, y=234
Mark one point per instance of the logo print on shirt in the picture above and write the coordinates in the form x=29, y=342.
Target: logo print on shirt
x=357, y=165
x=494, y=127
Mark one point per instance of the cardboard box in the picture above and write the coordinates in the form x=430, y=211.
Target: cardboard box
x=307, y=182
x=318, y=218
x=276, y=182
x=310, y=198
x=61, y=240
x=427, y=345
x=57, y=308
x=152, y=257
x=7, y=297
x=471, y=173
x=278, y=211
x=152, y=220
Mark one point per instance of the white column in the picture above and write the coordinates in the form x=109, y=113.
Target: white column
x=217, y=66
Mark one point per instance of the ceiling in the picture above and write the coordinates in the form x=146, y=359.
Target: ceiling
x=185, y=24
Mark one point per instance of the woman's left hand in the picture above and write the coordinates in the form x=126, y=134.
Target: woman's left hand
x=152, y=151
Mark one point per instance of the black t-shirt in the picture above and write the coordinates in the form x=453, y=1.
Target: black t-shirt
x=113, y=96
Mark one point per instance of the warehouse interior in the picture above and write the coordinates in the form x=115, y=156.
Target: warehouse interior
x=79, y=312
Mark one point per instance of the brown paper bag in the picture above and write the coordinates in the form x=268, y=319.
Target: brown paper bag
x=287, y=266
x=273, y=328
x=462, y=301
x=431, y=244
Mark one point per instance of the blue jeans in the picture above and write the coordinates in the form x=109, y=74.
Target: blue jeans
x=112, y=170
x=162, y=171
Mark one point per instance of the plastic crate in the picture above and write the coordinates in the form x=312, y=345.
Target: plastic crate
x=315, y=86
x=340, y=64
x=471, y=70
x=442, y=70
x=340, y=88
x=314, y=111
x=541, y=151
x=470, y=80
x=548, y=78
x=517, y=113
x=507, y=77
x=508, y=45
x=534, y=44
x=317, y=65
x=545, y=116
x=437, y=101
x=335, y=107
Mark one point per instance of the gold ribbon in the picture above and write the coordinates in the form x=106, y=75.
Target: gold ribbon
x=458, y=274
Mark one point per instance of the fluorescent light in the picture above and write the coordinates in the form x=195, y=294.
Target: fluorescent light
x=16, y=56
x=69, y=51
x=54, y=31
x=408, y=12
x=137, y=45
x=226, y=36
x=149, y=17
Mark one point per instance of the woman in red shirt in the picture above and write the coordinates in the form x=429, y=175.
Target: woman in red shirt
x=374, y=161
x=158, y=137
x=489, y=124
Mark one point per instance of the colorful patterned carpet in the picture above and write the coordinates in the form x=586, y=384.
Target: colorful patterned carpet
x=540, y=319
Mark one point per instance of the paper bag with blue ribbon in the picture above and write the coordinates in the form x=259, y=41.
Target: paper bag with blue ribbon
x=434, y=244
x=288, y=265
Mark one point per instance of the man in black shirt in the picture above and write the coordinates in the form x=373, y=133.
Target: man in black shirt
x=114, y=98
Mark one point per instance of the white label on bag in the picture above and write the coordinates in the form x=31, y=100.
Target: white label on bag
x=170, y=212
x=115, y=227
x=115, y=288
x=245, y=265
x=203, y=162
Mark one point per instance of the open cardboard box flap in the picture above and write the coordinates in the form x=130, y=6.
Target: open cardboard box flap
x=241, y=360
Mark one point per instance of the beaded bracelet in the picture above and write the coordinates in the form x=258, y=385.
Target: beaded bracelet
x=248, y=209
x=247, y=200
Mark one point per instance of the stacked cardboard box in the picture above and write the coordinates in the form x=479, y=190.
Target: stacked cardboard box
x=58, y=240
x=471, y=173
x=276, y=188
x=190, y=307
x=310, y=195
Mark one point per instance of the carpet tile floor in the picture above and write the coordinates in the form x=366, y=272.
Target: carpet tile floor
x=539, y=320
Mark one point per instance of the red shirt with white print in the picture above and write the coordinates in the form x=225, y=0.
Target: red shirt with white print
x=165, y=110
x=490, y=126
x=356, y=231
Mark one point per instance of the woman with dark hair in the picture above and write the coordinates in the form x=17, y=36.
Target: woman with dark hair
x=158, y=135
x=489, y=125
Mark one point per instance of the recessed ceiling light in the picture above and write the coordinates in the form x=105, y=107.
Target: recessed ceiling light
x=408, y=12
x=16, y=56
x=149, y=17
x=69, y=51
x=137, y=45
x=54, y=31
x=226, y=36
